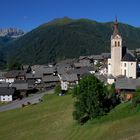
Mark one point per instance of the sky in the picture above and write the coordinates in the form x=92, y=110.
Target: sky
x=28, y=14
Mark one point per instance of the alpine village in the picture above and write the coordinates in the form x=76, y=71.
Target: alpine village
x=80, y=92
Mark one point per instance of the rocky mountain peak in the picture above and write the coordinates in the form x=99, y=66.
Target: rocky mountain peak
x=11, y=32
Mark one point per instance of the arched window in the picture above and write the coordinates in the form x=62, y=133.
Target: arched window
x=125, y=72
x=115, y=43
x=124, y=64
x=118, y=43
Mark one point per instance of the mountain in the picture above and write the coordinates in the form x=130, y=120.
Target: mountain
x=11, y=32
x=67, y=38
x=7, y=36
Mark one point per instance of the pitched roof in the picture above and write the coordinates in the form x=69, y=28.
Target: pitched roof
x=69, y=77
x=7, y=91
x=50, y=78
x=63, y=68
x=81, y=71
x=4, y=84
x=96, y=57
x=128, y=57
x=37, y=75
x=126, y=83
x=15, y=73
x=20, y=85
x=110, y=76
x=44, y=69
x=83, y=57
x=106, y=55
x=116, y=30
x=101, y=77
x=103, y=66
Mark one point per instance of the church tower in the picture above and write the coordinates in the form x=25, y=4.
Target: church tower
x=116, y=51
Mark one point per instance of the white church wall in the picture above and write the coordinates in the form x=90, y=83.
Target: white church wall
x=109, y=66
x=6, y=98
x=129, y=69
x=110, y=81
x=116, y=55
x=115, y=65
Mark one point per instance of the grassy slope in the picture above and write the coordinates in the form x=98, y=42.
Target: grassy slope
x=52, y=120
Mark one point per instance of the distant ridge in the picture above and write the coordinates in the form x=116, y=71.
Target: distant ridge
x=11, y=32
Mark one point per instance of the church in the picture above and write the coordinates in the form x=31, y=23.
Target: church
x=122, y=61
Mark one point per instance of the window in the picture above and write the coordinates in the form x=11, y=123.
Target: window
x=125, y=72
x=124, y=64
x=119, y=43
x=131, y=63
x=115, y=44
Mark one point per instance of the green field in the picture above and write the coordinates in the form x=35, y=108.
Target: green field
x=1, y=104
x=52, y=120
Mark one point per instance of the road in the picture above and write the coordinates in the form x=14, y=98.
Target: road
x=18, y=103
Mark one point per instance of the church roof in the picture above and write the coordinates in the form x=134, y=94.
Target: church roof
x=126, y=83
x=116, y=30
x=128, y=57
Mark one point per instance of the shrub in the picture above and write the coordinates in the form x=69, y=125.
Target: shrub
x=136, y=98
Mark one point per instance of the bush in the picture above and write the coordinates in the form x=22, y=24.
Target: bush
x=90, y=96
x=136, y=98
x=57, y=89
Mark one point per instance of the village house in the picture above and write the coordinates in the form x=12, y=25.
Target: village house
x=4, y=84
x=50, y=81
x=7, y=94
x=43, y=69
x=82, y=63
x=13, y=75
x=36, y=76
x=96, y=59
x=21, y=87
x=103, y=69
x=62, y=68
x=68, y=81
x=82, y=71
x=2, y=77
x=127, y=86
x=101, y=77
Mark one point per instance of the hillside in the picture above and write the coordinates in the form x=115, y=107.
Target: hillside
x=52, y=120
x=7, y=36
x=67, y=38
x=4, y=40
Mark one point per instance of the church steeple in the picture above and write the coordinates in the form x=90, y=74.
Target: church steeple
x=116, y=39
x=116, y=30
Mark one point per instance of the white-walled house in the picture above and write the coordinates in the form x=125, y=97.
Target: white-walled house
x=13, y=75
x=68, y=81
x=9, y=80
x=6, y=94
x=129, y=66
x=110, y=79
x=103, y=69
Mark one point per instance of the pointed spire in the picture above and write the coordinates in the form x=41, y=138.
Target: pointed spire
x=116, y=30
